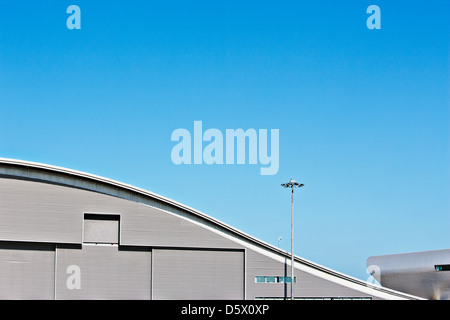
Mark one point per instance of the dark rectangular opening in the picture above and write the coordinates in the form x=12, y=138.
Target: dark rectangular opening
x=442, y=267
x=95, y=216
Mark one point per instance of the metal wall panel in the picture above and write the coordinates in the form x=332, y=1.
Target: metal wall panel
x=27, y=271
x=38, y=212
x=103, y=272
x=42, y=212
x=261, y=265
x=198, y=274
x=307, y=285
x=150, y=226
x=101, y=231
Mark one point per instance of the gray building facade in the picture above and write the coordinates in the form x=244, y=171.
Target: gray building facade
x=66, y=235
x=424, y=274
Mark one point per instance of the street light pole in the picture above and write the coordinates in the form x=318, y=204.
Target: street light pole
x=292, y=184
x=292, y=243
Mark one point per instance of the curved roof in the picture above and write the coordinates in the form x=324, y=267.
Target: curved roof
x=67, y=177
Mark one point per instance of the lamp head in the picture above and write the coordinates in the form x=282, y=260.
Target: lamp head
x=292, y=184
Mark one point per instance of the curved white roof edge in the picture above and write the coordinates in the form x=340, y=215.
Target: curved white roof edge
x=57, y=169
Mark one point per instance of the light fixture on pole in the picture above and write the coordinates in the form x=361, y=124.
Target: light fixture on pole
x=292, y=184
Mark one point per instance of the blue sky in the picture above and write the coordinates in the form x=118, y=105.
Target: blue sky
x=363, y=115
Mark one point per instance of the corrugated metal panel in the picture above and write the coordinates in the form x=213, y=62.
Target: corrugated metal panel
x=260, y=265
x=38, y=212
x=103, y=272
x=27, y=271
x=158, y=228
x=306, y=285
x=198, y=274
x=41, y=212
x=101, y=229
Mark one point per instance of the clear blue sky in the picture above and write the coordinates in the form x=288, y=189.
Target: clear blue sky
x=363, y=114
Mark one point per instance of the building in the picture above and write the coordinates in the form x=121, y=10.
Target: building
x=65, y=234
x=424, y=274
